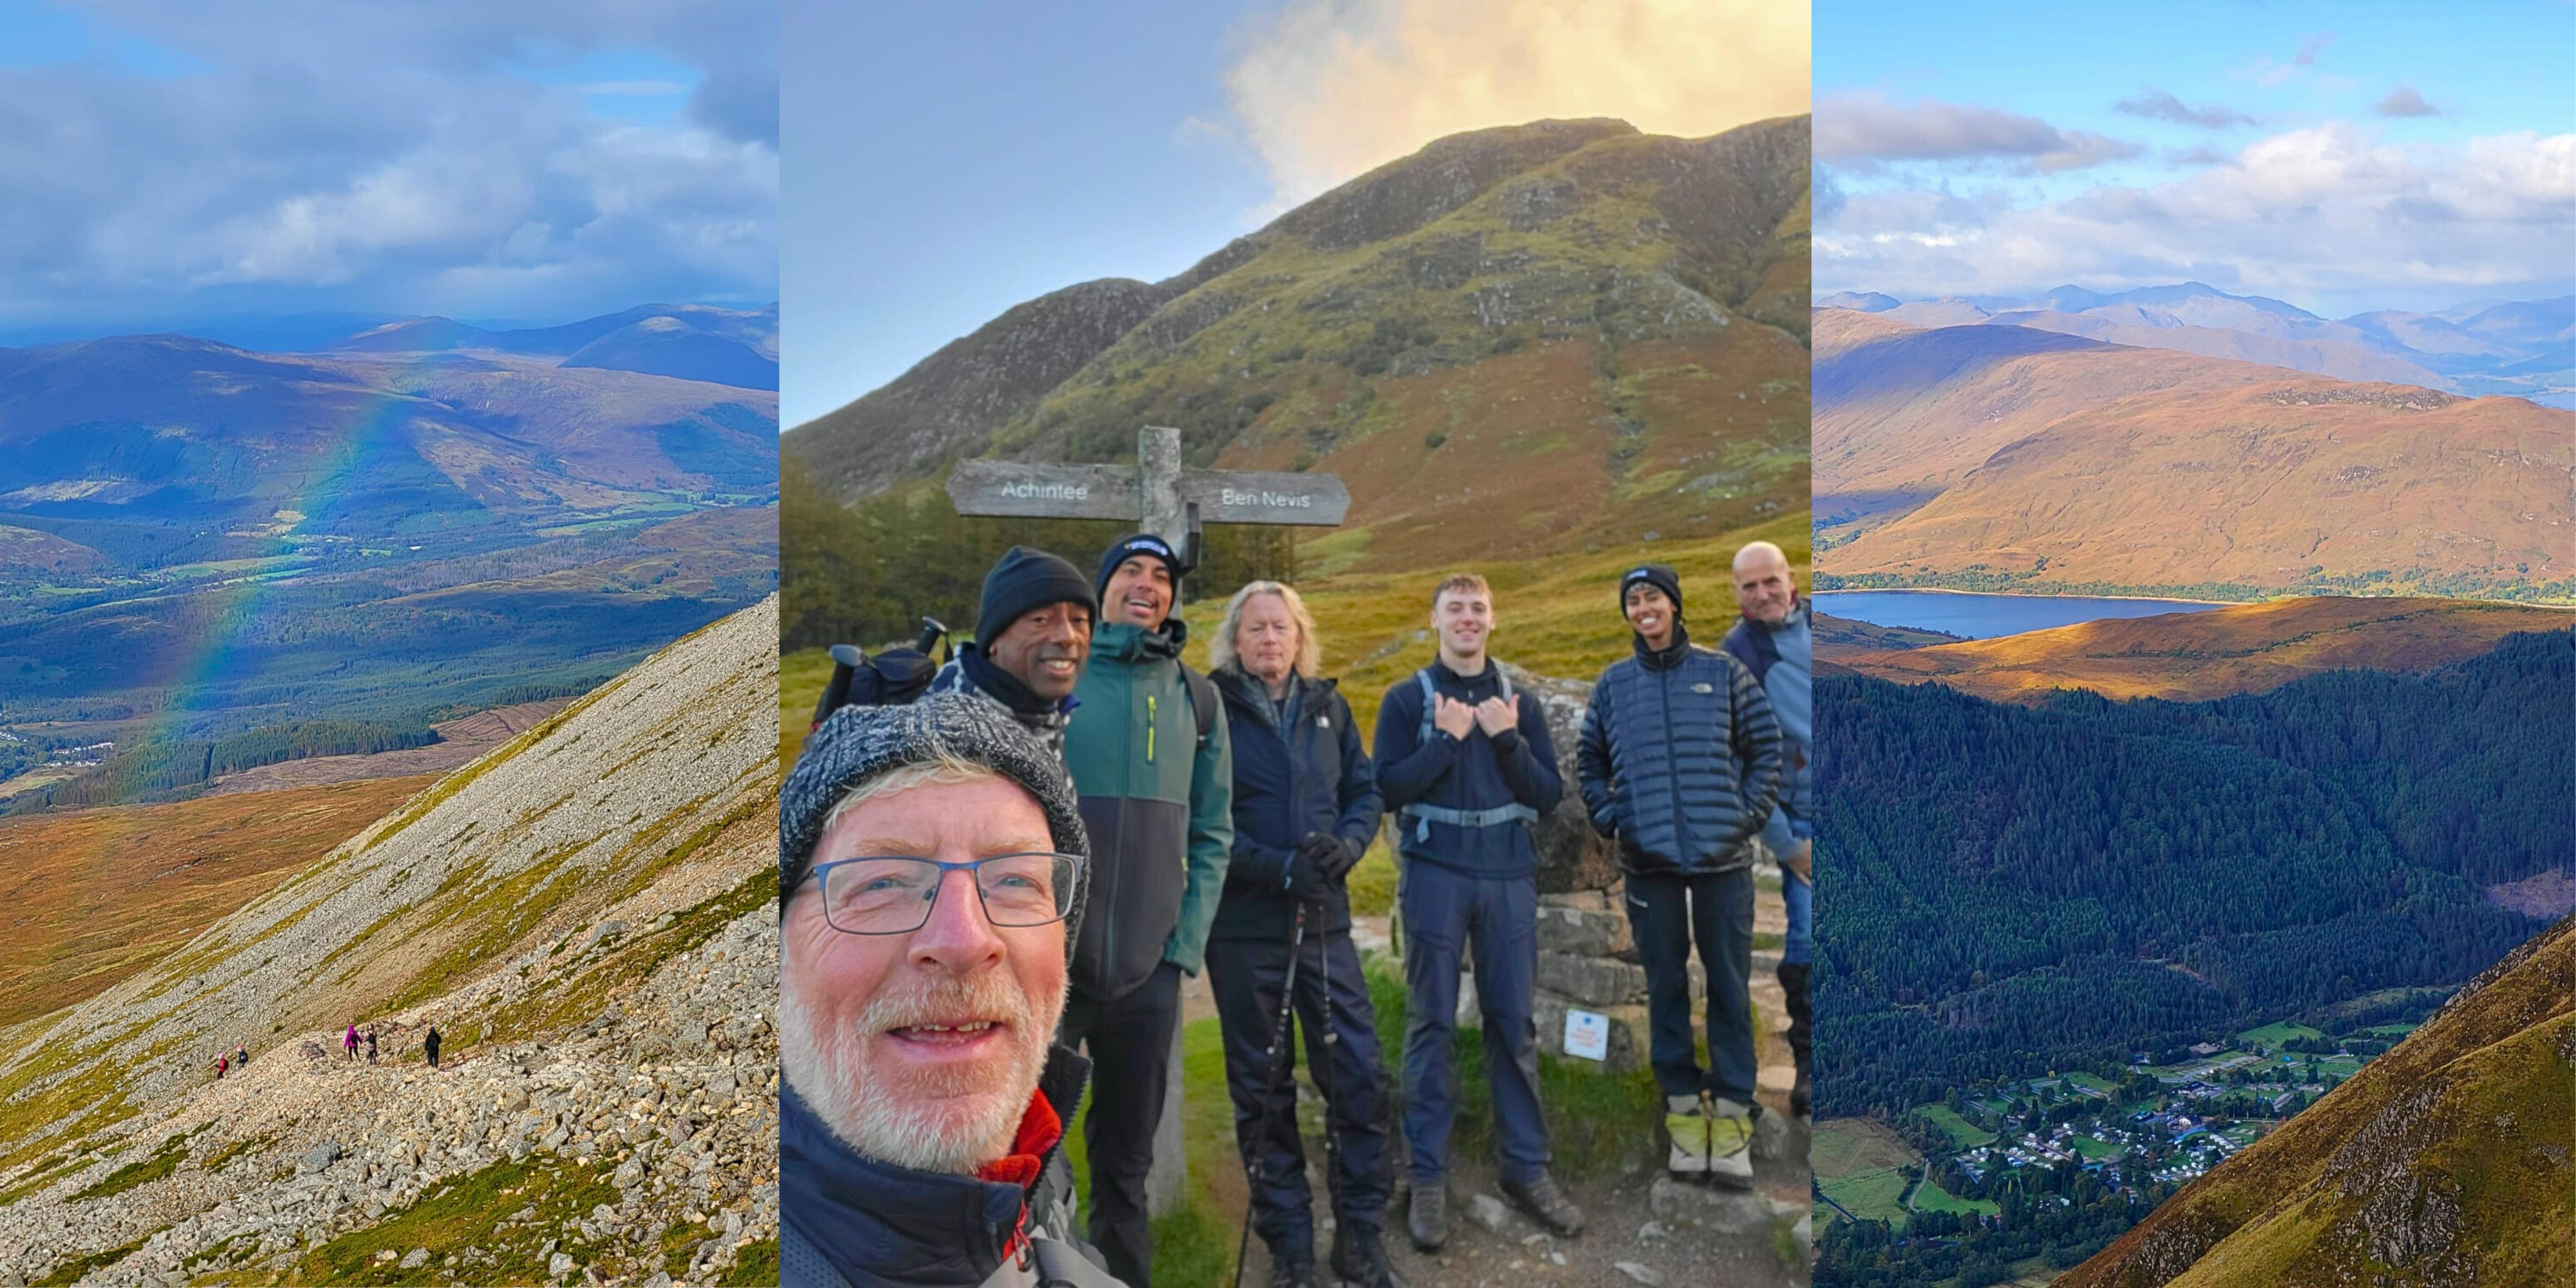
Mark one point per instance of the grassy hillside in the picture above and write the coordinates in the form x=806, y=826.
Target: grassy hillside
x=2244, y=648
x=95, y=895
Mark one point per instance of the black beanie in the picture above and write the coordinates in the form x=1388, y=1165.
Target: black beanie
x=1023, y=580
x=1142, y=543
x=1660, y=576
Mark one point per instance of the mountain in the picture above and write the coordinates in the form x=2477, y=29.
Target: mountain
x=2524, y=348
x=1562, y=332
x=586, y=914
x=2444, y=1161
x=1993, y=457
x=682, y=341
x=2241, y=648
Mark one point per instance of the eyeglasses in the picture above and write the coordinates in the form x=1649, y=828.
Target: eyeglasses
x=893, y=895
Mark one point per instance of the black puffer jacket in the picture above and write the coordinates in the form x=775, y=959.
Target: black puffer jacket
x=1680, y=760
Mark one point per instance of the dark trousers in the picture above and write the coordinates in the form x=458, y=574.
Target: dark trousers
x=1802, y=1014
x=1447, y=916
x=1246, y=975
x=1130, y=1040
x=1668, y=915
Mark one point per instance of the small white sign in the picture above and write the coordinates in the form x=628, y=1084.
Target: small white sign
x=1587, y=1035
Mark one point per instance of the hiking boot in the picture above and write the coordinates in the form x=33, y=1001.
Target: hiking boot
x=1686, y=1121
x=1359, y=1259
x=1730, y=1137
x=1426, y=1218
x=1538, y=1197
x=1292, y=1270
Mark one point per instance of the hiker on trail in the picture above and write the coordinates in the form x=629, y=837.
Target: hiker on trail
x=1776, y=641
x=1154, y=769
x=932, y=879
x=349, y=1044
x=429, y=1045
x=1305, y=807
x=371, y=1044
x=241, y=1055
x=1468, y=769
x=1032, y=635
x=219, y=1068
x=1679, y=762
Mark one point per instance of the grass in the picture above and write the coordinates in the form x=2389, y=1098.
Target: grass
x=1875, y=1194
x=1932, y=1198
x=1962, y=1133
x=143, y=1171
x=1848, y=1146
x=567, y=1000
x=2273, y=1035
x=2096, y=1149
x=73, y=1271
x=480, y=1209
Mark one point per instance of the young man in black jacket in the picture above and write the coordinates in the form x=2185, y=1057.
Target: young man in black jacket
x=1680, y=762
x=1468, y=768
x=1305, y=807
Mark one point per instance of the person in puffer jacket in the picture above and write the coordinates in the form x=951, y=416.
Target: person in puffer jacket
x=1680, y=764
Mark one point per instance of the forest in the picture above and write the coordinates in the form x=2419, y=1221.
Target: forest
x=2015, y=889
x=166, y=769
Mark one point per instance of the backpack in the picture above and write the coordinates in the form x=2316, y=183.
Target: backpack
x=893, y=678
x=1423, y=816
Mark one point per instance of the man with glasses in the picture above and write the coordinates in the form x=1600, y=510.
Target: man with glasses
x=932, y=874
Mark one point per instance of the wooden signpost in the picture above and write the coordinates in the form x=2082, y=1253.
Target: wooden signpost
x=1159, y=497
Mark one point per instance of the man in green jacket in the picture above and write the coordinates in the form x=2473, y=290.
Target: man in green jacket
x=1147, y=746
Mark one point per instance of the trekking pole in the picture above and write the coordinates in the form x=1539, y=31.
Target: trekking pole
x=1270, y=1089
x=1323, y=1071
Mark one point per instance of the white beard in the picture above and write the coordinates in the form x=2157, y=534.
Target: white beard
x=953, y=1121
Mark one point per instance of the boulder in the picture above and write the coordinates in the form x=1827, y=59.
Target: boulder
x=1628, y=1045
x=1723, y=1209
x=1582, y=931
x=1571, y=856
x=321, y=1156
x=1595, y=982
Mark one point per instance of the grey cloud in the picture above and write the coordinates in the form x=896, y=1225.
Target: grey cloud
x=2159, y=105
x=2310, y=48
x=1864, y=130
x=378, y=156
x=1828, y=194
x=2404, y=101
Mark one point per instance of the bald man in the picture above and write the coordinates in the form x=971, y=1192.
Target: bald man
x=1776, y=643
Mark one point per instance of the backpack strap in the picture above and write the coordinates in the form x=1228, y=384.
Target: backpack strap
x=1423, y=816
x=1203, y=700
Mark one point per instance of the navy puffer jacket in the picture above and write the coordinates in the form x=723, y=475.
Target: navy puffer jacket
x=1309, y=775
x=1680, y=760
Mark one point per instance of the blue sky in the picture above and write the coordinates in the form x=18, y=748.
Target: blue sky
x=170, y=161
x=946, y=162
x=2341, y=157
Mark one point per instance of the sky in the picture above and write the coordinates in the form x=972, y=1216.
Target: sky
x=527, y=160
x=949, y=161
x=2342, y=157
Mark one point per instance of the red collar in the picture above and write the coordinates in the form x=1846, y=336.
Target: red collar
x=1039, y=1131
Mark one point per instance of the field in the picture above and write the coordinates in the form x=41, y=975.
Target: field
x=1847, y=1146
x=1877, y=1194
x=95, y=895
x=2274, y=1034
x=1932, y=1198
x=1963, y=1134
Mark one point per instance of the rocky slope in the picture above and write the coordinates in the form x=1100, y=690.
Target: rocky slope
x=2443, y=1162
x=1581, y=329
x=584, y=913
x=2013, y=458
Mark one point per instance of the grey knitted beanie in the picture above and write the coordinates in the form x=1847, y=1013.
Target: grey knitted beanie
x=861, y=743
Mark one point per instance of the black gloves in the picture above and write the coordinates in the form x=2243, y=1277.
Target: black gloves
x=1317, y=867
x=1331, y=855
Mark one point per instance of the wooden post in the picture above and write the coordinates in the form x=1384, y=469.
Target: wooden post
x=1156, y=494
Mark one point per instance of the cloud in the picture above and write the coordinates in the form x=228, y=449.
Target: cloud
x=1328, y=89
x=1863, y=130
x=2404, y=101
x=2156, y=104
x=2271, y=74
x=393, y=156
x=2330, y=212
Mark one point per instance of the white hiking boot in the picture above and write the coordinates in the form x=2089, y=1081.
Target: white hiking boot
x=1686, y=1121
x=1730, y=1140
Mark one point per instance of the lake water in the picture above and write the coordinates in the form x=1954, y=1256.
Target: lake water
x=1979, y=617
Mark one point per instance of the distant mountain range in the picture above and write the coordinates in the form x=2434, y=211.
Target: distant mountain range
x=1559, y=333
x=2009, y=457
x=682, y=341
x=374, y=532
x=2445, y=1161
x=2525, y=348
